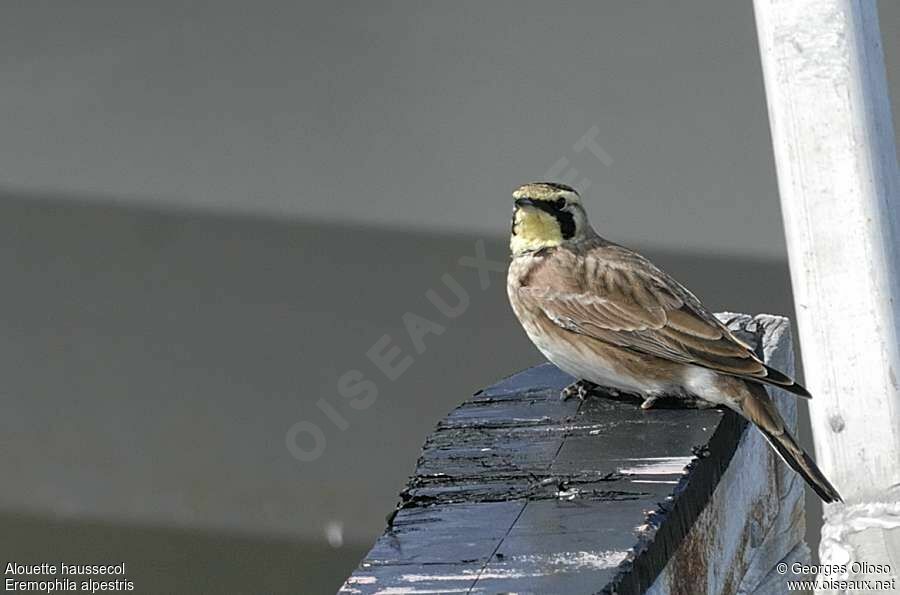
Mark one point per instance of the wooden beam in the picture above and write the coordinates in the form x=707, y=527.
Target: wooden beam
x=840, y=195
x=519, y=492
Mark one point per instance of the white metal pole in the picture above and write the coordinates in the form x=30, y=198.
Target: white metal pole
x=840, y=194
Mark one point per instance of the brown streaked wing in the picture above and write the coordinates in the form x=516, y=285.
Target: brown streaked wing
x=623, y=299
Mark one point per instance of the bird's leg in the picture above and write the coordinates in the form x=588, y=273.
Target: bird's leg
x=674, y=401
x=580, y=388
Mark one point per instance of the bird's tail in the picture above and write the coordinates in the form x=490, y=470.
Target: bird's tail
x=760, y=410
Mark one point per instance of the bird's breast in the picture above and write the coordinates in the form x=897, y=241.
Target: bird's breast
x=582, y=356
x=596, y=361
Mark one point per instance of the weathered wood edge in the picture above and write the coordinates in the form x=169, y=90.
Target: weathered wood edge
x=754, y=519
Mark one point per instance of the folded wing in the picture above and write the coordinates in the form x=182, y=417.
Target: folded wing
x=623, y=299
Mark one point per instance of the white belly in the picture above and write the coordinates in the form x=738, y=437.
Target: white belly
x=703, y=383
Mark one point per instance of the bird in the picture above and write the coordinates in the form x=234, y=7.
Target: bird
x=609, y=317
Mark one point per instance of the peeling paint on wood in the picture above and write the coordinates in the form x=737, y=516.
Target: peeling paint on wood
x=755, y=517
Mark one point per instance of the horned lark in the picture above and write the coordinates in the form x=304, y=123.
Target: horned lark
x=607, y=316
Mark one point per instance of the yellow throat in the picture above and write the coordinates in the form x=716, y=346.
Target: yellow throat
x=534, y=229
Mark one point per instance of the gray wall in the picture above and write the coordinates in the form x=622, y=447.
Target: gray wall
x=153, y=364
x=413, y=115
x=209, y=212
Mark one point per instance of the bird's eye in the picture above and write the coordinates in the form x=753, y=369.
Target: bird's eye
x=560, y=204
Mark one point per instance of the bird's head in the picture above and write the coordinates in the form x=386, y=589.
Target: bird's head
x=546, y=215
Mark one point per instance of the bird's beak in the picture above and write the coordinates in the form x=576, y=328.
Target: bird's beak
x=524, y=202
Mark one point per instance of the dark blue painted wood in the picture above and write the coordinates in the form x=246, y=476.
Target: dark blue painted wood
x=517, y=491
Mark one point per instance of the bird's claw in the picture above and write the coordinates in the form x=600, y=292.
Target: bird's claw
x=580, y=388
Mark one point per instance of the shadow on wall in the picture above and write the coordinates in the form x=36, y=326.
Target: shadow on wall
x=153, y=364
x=169, y=560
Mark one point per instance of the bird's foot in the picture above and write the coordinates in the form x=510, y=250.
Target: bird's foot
x=648, y=402
x=580, y=388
